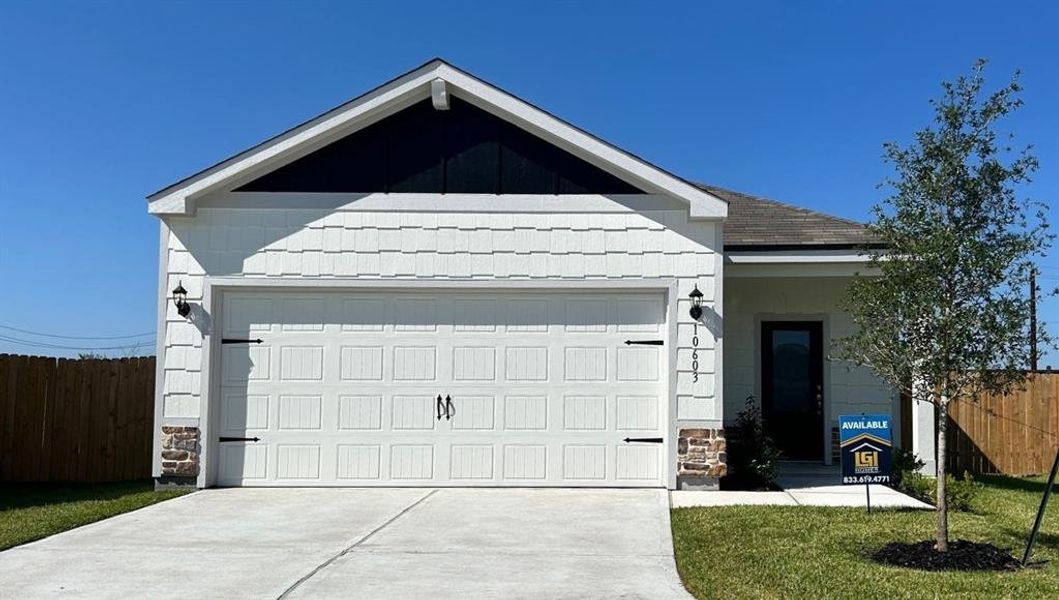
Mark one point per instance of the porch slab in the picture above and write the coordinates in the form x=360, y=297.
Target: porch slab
x=803, y=484
x=813, y=484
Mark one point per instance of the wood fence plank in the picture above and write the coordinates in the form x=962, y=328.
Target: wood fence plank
x=7, y=415
x=47, y=432
x=1016, y=434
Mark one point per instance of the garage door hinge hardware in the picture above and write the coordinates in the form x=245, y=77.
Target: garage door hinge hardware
x=645, y=440
x=238, y=439
x=644, y=342
x=238, y=341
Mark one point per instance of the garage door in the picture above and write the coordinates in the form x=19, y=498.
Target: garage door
x=481, y=389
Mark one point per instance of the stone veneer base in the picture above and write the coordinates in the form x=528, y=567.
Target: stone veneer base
x=174, y=482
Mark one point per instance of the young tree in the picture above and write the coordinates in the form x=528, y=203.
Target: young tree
x=949, y=307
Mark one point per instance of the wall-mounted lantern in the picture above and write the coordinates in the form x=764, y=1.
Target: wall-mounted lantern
x=696, y=303
x=180, y=299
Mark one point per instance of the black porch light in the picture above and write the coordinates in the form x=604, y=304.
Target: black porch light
x=696, y=303
x=180, y=299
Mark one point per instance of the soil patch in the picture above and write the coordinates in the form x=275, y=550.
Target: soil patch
x=962, y=556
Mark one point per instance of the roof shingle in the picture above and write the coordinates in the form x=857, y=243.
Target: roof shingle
x=756, y=223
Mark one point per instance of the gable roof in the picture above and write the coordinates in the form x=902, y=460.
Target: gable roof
x=401, y=92
x=756, y=223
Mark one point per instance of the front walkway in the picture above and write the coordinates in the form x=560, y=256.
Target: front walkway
x=363, y=543
x=804, y=484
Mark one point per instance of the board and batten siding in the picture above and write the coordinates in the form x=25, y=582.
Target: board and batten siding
x=344, y=243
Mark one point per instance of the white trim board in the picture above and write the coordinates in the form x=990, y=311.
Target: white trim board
x=179, y=198
x=794, y=256
x=458, y=203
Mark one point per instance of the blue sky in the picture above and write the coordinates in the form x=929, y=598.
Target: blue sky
x=103, y=103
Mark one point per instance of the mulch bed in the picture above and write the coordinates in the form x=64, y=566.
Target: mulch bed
x=962, y=556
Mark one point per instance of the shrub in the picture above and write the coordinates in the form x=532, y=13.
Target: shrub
x=904, y=464
x=752, y=455
x=961, y=491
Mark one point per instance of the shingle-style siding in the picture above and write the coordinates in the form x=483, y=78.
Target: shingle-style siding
x=295, y=243
x=759, y=223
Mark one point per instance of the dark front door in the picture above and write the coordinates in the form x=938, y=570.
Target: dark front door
x=792, y=387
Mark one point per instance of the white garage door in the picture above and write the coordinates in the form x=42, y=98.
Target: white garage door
x=536, y=389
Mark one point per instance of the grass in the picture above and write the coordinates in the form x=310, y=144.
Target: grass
x=32, y=511
x=816, y=552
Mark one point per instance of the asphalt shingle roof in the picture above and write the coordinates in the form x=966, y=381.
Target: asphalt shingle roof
x=756, y=223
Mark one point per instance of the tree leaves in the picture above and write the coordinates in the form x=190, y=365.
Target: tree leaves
x=951, y=304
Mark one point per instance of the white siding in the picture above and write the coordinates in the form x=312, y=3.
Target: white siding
x=327, y=243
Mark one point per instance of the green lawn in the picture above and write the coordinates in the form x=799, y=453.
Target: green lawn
x=31, y=511
x=811, y=552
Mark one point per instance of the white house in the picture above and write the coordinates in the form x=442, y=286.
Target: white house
x=439, y=284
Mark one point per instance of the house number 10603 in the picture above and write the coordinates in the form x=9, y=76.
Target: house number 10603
x=695, y=354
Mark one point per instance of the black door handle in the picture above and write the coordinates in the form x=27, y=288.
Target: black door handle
x=440, y=408
x=450, y=409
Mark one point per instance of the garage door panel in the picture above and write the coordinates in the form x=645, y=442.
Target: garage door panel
x=412, y=413
x=525, y=462
x=362, y=314
x=359, y=462
x=637, y=462
x=637, y=413
x=245, y=315
x=343, y=390
x=584, y=413
x=471, y=462
x=247, y=363
x=301, y=363
x=526, y=363
x=360, y=413
x=584, y=462
x=299, y=412
x=412, y=461
x=474, y=413
x=637, y=363
x=242, y=412
x=298, y=461
x=585, y=364
x=361, y=363
x=414, y=363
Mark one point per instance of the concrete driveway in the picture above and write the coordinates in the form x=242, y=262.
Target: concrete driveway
x=359, y=543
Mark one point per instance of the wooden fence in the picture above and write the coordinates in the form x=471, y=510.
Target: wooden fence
x=1015, y=434
x=75, y=420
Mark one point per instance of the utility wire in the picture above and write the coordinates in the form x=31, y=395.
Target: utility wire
x=993, y=414
x=131, y=344
x=77, y=337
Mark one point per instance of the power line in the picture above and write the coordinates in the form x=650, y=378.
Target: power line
x=131, y=344
x=995, y=415
x=78, y=337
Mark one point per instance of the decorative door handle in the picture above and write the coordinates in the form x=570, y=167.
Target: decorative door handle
x=440, y=407
x=450, y=409
x=819, y=400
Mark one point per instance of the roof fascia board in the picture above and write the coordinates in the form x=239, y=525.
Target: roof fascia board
x=176, y=199
x=586, y=147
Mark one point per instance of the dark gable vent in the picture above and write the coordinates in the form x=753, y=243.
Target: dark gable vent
x=462, y=150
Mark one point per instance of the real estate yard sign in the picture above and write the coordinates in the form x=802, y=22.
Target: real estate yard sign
x=866, y=448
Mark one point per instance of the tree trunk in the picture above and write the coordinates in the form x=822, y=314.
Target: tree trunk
x=942, y=514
